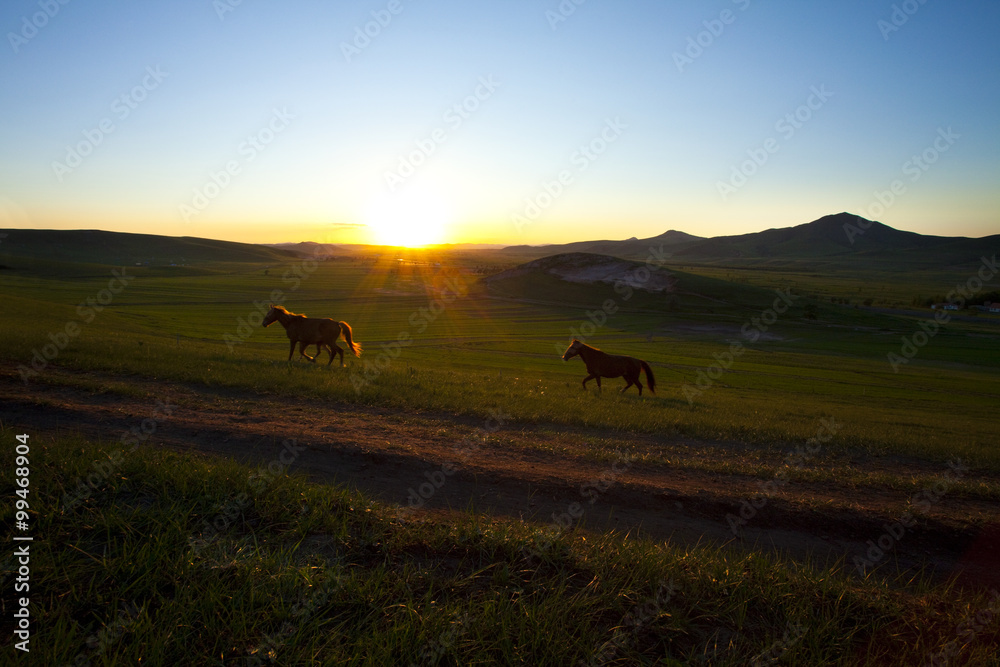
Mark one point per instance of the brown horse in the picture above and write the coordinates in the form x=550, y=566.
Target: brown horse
x=600, y=364
x=322, y=332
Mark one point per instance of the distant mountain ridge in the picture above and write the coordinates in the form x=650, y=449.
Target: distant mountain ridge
x=843, y=240
x=838, y=237
x=628, y=248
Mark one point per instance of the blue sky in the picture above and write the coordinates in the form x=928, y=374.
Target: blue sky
x=498, y=122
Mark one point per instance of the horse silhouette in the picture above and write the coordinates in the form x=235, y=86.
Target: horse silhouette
x=601, y=364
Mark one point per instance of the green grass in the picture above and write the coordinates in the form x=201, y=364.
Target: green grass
x=305, y=574
x=480, y=354
x=184, y=559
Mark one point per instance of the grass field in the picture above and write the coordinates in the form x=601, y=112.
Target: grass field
x=471, y=353
x=290, y=573
x=305, y=571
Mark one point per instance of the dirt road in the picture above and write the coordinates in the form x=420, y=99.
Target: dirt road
x=430, y=464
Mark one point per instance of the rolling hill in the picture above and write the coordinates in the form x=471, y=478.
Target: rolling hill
x=588, y=280
x=125, y=249
x=632, y=248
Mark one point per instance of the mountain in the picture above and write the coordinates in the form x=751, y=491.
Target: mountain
x=830, y=235
x=633, y=247
x=842, y=238
x=845, y=238
x=125, y=249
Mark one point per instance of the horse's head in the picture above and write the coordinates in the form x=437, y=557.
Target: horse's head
x=572, y=350
x=271, y=316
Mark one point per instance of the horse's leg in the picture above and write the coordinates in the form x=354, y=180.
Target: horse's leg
x=302, y=350
x=335, y=350
x=291, y=350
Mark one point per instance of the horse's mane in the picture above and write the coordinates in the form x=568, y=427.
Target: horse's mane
x=287, y=312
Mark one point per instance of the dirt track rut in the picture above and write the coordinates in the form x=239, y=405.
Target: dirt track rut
x=440, y=463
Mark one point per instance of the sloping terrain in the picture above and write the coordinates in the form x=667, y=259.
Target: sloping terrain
x=590, y=269
x=124, y=249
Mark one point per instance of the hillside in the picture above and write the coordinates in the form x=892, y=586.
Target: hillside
x=840, y=236
x=589, y=268
x=125, y=249
x=308, y=248
x=842, y=239
x=588, y=279
x=633, y=247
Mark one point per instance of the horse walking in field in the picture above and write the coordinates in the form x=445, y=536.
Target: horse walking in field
x=600, y=364
x=322, y=332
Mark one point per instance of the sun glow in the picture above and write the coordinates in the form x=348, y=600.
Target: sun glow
x=413, y=219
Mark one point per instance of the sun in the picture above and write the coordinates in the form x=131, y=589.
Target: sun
x=413, y=219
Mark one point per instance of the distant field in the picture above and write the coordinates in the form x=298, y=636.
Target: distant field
x=436, y=340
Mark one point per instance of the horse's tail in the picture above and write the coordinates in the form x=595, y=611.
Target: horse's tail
x=650, y=380
x=345, y=329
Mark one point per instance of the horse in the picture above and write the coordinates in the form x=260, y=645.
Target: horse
x=601, y=364
x=322, y=332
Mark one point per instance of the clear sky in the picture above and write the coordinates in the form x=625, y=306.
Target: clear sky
x=503, y=121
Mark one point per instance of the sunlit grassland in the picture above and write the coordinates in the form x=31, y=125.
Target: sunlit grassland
x=187, y=559
x=475, y=355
